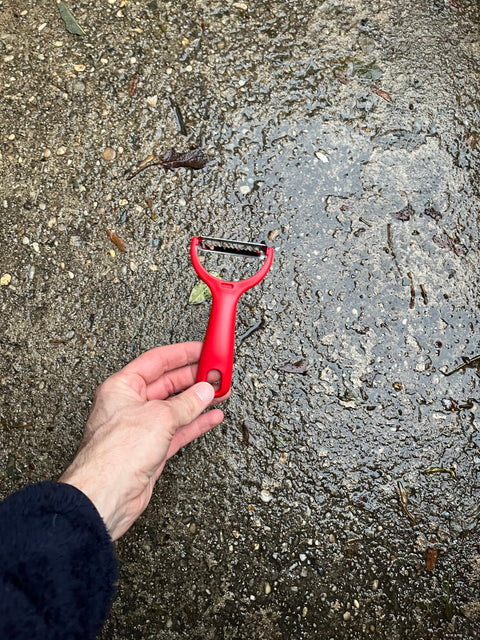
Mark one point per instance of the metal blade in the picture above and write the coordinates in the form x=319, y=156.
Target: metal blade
x=232, y=247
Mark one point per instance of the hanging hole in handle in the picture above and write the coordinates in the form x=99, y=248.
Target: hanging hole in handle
x=214, y=377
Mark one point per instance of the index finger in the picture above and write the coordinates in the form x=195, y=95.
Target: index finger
x=153, y=363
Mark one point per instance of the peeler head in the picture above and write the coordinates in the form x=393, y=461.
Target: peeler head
x=232, y=247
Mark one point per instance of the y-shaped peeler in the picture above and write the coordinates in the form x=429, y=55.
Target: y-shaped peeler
x=219, y=341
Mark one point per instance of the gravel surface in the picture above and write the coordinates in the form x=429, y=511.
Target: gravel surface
x=340, y=497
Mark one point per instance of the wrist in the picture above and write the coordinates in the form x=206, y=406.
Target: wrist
x=99, y=496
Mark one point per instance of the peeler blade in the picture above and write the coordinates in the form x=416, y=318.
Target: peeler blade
x=232, y=247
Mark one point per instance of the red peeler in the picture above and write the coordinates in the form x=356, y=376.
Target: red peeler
x=219, y=342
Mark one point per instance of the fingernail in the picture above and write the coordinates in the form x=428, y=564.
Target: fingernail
x=204, y=391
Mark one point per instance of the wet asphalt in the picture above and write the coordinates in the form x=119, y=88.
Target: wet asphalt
x=340, y=497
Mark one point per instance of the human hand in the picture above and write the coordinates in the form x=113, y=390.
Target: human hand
x=137, y=423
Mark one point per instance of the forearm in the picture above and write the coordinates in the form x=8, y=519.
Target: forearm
x=57, y=564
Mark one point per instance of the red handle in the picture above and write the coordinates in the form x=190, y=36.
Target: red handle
x=219, y=341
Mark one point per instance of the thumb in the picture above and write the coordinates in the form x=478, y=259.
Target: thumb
x=189, y=404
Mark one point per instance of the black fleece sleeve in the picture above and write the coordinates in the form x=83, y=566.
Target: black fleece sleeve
x=57, y=565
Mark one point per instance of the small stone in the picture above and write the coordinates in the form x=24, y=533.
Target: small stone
x=58, y=43
x=35, y=247
x=347, y=616
x=108, y=154
x=321, y=156
x=11, y=136
x=61, y=151
x=193, y=528
x=265, y=495
x=153, y=267
x=304, y=612
x=25, y=240
x=245, y=189
x=112, y=253
x=47, y=153
x=375, y=585
x=356, y=604
x=5, y=280
x=185, y=42
x=152, y=101
x=267, y=588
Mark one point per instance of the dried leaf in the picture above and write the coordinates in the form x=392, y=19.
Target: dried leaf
x=404, y=499
x=145, y=162
x=194, y=159
x=446, y=242
x=133, y=86
x=69, y=19
x=431, y=560
x=296, y=367
x=117, y=241
x=380, y=92
x=404, y=214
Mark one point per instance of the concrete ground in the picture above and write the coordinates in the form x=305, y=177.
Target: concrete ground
x=340, y=497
